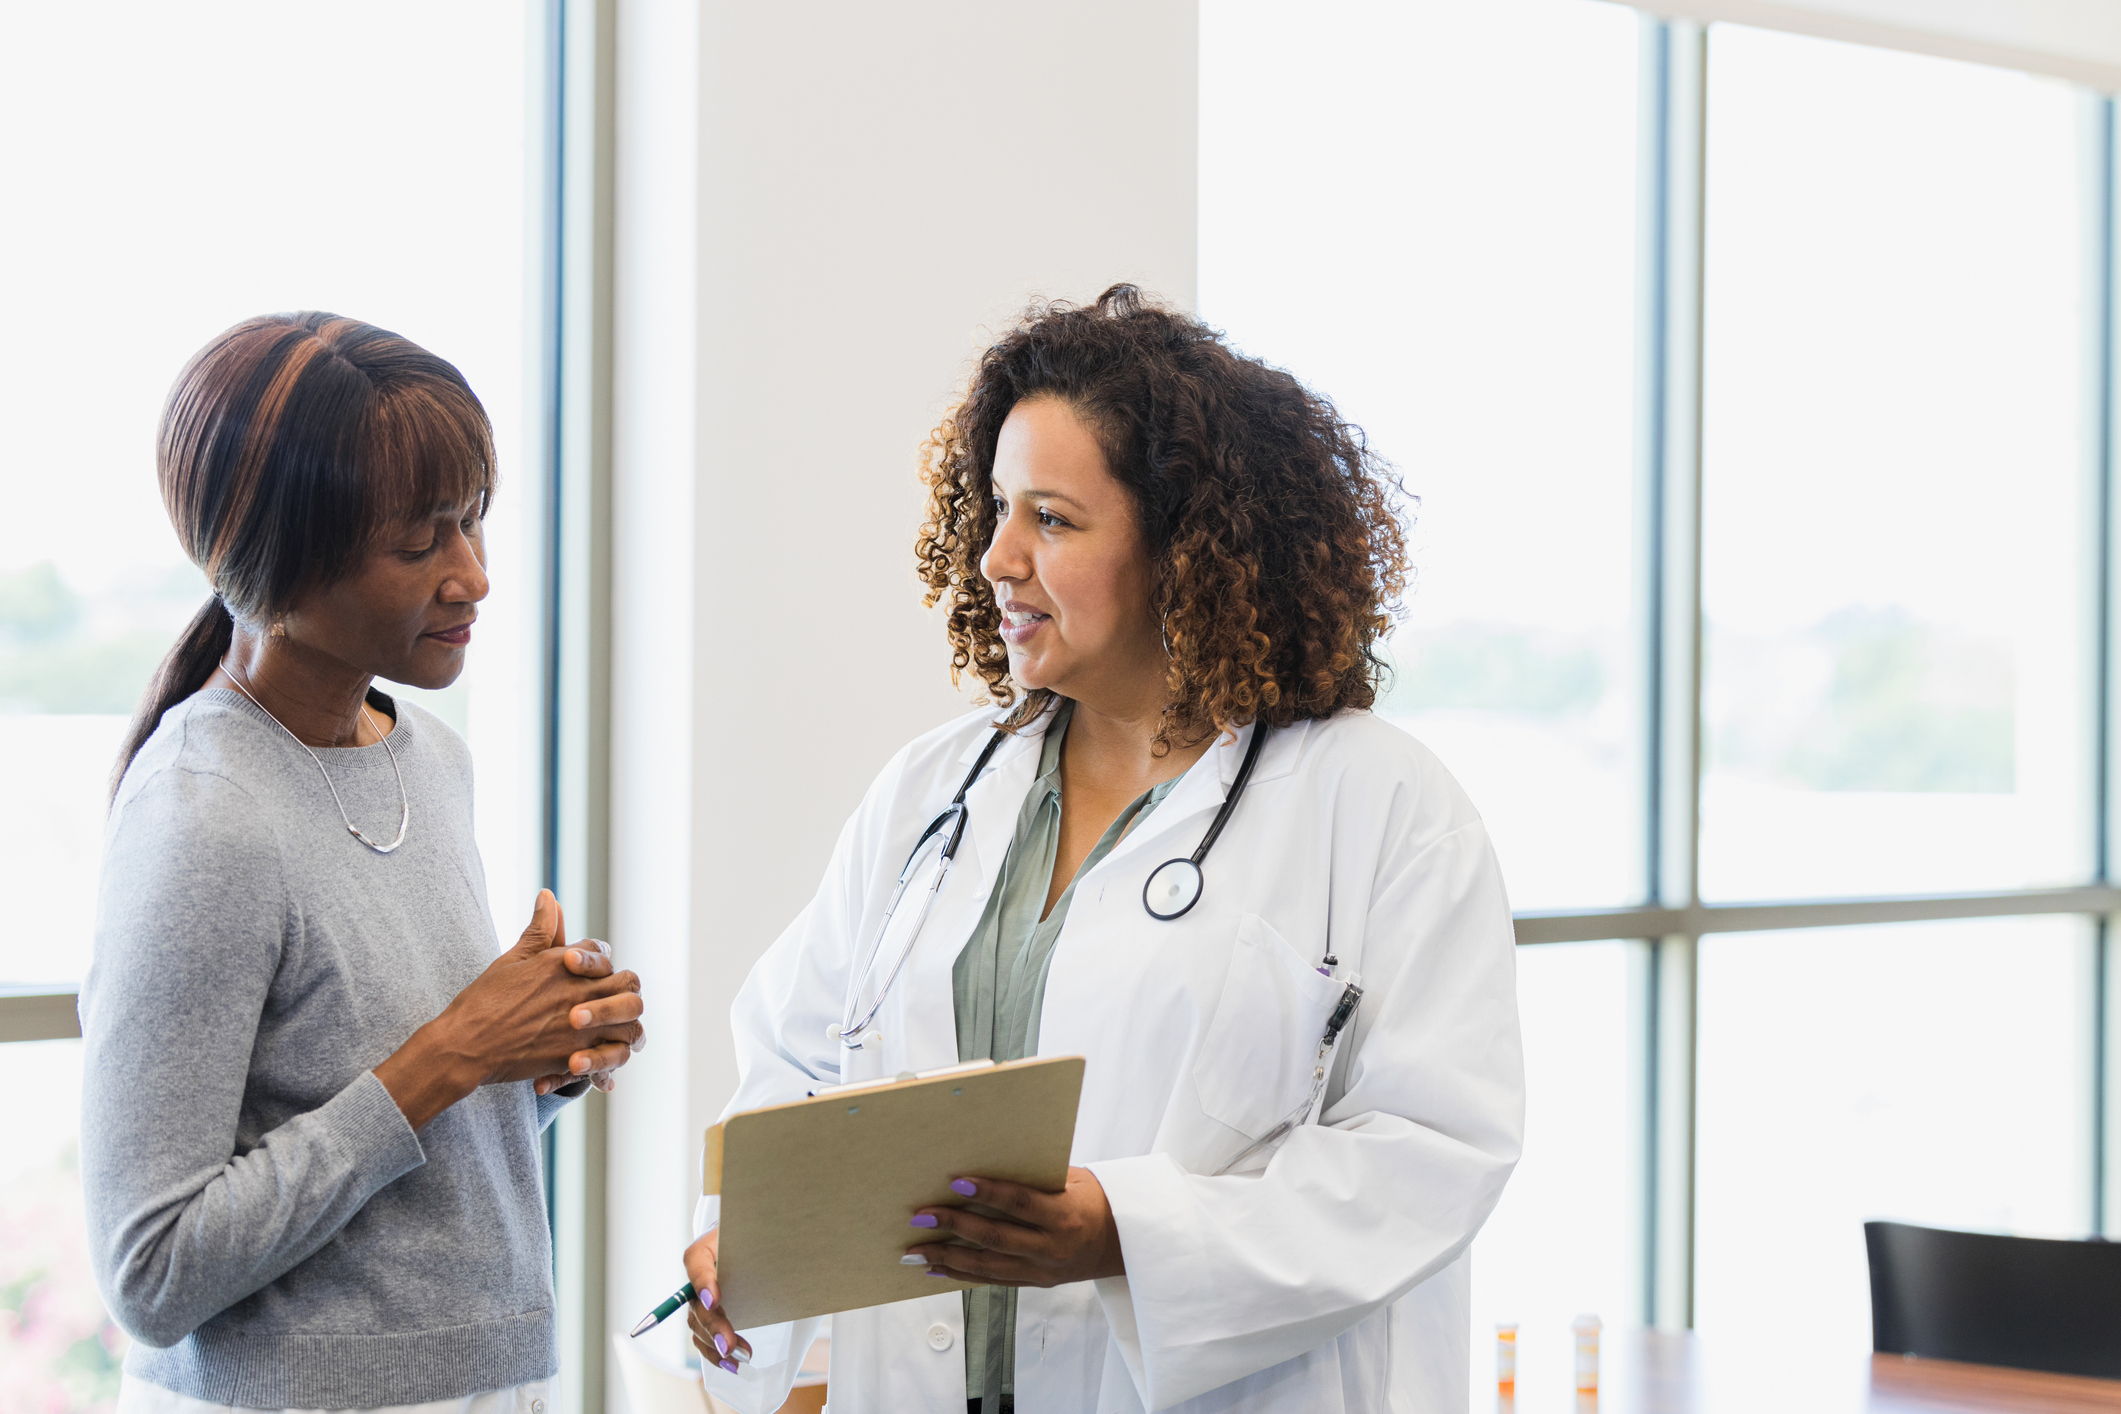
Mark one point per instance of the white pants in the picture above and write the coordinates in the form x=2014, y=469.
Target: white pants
x=140, y=1397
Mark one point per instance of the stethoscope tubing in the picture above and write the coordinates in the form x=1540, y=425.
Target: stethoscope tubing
x=953, y=818
x=1237, y=789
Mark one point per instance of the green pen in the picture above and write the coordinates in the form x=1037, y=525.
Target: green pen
x=665, y=1311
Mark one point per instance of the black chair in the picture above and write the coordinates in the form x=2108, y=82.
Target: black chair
x=2030, y=1302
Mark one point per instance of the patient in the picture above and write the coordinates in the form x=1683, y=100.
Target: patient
x=313, y=1098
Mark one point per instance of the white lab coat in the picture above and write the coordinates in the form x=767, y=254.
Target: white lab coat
x=1332, y=1277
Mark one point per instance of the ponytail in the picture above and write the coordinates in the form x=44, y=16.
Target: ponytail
x=185, y=669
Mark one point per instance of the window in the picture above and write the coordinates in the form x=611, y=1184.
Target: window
x=1897, y=696
x=186, y=173
x=1756, y=390
x=1925, y=1072
x=58, y=1350
x=1563, y=1238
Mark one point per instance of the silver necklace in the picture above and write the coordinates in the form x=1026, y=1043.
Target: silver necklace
x=404, y=801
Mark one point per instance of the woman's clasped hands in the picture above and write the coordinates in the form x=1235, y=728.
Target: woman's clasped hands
x=544, y=1011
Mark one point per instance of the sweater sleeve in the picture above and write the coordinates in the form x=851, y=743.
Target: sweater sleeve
x=549, y=1106
x=184, y=1222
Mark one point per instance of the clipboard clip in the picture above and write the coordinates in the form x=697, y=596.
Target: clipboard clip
x=962, y=1068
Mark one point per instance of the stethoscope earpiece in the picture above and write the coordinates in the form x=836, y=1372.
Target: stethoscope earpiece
x=1173, y=888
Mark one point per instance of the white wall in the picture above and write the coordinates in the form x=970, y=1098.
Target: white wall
x=823, y=210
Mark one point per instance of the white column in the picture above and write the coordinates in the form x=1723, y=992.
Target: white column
x=650, y=1153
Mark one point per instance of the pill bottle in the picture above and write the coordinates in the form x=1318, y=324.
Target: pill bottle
x=1586, y=1329
x=1506, y=1357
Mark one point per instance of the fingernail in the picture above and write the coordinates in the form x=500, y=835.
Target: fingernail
x=913, y=1259
x=924, y=1220
x=964, y=1185
x=934, y=1272
x=730, y=1365
x=721, y=1344
x=580, y=1018
x=578, y=1064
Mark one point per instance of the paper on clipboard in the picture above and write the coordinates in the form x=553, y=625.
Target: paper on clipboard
x=816, y=1194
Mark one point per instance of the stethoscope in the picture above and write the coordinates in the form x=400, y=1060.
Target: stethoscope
x=1173, y=887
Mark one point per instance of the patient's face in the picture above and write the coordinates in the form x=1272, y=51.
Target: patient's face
x=405, y=613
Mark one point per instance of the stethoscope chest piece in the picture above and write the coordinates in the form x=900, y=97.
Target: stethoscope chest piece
x=1174, y=885
x=1172, y=889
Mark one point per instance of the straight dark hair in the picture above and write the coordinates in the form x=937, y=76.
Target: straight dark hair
x=287, y=445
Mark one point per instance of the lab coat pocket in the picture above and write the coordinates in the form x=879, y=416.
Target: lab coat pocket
x=1261, y=1045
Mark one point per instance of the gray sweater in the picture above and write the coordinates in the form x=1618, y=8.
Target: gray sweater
x=263, y=1220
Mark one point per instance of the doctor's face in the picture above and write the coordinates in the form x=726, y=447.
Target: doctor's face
x=1068, y=565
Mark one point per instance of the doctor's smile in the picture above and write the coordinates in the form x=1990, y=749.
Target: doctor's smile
x=1019, y=623
x=1176, y=844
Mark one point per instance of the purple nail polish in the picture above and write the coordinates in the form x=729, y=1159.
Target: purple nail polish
x=721, y=1344
x=730, y=1365
x=931, y=1272
x=924, y=1220
x=964, y=1185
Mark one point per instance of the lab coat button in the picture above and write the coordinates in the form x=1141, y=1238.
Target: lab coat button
x=939, y=1337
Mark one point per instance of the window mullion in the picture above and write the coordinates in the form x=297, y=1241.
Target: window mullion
x=2101, y=287
x=579, y=365
x=1669, y=449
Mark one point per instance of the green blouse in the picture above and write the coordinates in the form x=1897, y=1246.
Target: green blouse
x=999, y=986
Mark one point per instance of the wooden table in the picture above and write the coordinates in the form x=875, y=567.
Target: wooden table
x=1655, y=1372
x=1660, y=1372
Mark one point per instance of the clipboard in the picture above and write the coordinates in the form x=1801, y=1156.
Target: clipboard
x=816, y=1194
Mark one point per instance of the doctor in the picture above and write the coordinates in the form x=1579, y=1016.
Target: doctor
x=1185, y=852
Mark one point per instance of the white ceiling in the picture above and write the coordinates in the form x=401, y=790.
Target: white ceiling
x=2073, y=39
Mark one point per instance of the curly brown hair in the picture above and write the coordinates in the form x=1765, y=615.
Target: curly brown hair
x=1278, y=557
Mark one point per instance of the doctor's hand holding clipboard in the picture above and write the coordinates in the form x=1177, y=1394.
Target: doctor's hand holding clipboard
x=1180, y=846
x=1033, y=1239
